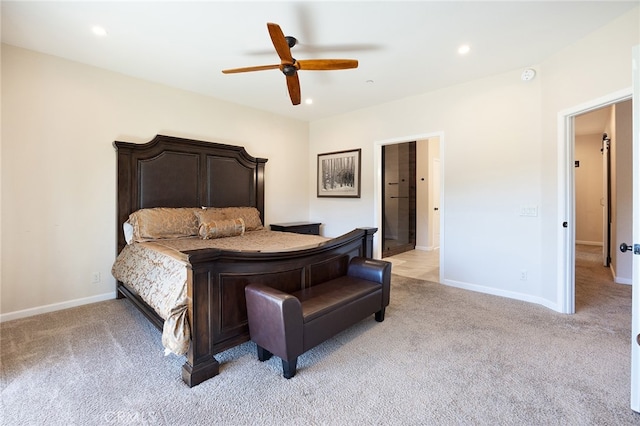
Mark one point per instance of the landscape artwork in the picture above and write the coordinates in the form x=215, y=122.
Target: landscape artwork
x=339, y=174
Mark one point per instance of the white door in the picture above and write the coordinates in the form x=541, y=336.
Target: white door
x=635, y=272
x=435, y=185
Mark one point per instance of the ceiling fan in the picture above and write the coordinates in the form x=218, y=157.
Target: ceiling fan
x=290, y=66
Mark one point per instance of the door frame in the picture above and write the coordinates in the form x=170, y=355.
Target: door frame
x=377, y=187
x=566, y=237
x=435, y=176
x=635, y=230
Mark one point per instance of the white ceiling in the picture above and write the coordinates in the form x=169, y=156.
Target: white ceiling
x=404, y=48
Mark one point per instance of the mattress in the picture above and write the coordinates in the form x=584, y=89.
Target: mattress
x=157, y=272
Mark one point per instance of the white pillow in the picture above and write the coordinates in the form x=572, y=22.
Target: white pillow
x=128, y=232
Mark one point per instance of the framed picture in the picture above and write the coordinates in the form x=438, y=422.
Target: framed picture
x=339, y=174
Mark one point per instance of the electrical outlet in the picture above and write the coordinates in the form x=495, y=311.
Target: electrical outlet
x=523, y=275
x=95, y=278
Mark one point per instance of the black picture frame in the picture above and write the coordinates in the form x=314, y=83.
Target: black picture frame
x=338, y=174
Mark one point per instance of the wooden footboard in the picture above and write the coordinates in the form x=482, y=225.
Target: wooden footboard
x=217, y=308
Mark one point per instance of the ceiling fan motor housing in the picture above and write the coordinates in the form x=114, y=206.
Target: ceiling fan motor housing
x=289, y=70
x=291, y=41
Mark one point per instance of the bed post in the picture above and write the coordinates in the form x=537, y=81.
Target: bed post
x=367, y=242
x=201, y=363
x=260, y=162
x=204, y=370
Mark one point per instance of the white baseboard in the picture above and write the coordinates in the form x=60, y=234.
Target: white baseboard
x=503, y=293
x=589, y=243
x=619, y=280
x=56, y=307
x=426, y=248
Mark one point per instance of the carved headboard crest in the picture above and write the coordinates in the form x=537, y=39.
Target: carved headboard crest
x=175, y=172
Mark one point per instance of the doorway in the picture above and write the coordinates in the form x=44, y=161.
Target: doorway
x=602, y=176
x=398, y=198
x=429, y=150
x=619, y=177
x=567, y=192
x=593, y=179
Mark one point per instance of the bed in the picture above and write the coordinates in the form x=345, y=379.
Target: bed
x=177, y=173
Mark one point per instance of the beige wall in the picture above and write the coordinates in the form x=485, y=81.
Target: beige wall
x=59, y=120
x=490, y=163
x=588, y=190
x=500, y=155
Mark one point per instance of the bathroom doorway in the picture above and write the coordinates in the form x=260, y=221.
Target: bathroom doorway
x=398, y=198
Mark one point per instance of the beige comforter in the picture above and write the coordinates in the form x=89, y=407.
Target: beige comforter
x=157, y=272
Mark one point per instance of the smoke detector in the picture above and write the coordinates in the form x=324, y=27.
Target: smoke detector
x=528, y=74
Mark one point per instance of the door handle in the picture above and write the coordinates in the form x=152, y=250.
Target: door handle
x=624, y=247
x=638, y=339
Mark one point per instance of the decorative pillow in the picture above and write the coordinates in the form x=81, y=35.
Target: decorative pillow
x=250, y=215
x=221, y=228
x=163, y=222
x=210, y=214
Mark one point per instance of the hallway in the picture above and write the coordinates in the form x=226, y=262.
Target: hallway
x=595, y=287
x=419, y=264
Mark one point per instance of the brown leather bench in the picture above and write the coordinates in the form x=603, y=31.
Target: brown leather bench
x=289, y=324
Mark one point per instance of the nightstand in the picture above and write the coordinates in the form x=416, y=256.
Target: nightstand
x=297, y=227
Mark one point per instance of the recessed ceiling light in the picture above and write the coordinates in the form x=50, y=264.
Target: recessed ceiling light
x=99, y=31
x=464, y=49
x=308, y=101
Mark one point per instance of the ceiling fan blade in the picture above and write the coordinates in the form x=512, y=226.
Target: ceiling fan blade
x=280, y=43
x=248, y=69
x=289, y=66
x=293, y=84
x=326, y=64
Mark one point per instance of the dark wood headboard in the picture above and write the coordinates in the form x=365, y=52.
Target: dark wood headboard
x=176, y=172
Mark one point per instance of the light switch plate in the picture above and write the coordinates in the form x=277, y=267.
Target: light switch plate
x=529, y=210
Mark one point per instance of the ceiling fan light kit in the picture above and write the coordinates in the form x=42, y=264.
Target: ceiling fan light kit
x=290, y=66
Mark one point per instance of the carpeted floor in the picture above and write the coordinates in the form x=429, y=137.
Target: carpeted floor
x=442, y=356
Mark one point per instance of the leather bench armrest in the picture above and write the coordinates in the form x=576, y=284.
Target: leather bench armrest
x=275, y=320
x=374, y=270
